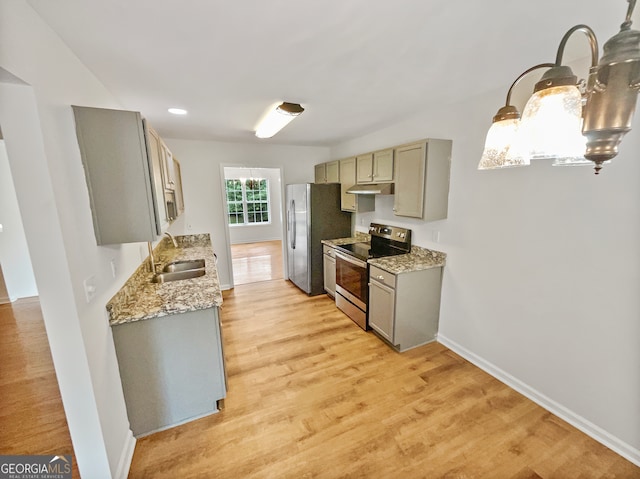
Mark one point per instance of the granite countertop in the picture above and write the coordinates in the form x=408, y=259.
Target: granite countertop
x=140, y=299
x=418, y=259
x=357, y=238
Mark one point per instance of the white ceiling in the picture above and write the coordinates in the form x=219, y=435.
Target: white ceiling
x=355, y=65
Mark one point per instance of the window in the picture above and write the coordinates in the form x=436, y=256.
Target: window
x=247, y=201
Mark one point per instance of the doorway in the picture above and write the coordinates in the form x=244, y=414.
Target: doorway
x=254, y=222
x=16, y=272
x=32, y=416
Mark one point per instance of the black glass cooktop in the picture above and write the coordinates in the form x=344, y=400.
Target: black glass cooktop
x=364, y=251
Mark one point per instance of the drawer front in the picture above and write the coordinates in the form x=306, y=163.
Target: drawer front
x=382, y=276
x=328, y=250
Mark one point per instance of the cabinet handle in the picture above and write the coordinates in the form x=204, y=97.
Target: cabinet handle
x=379, y=277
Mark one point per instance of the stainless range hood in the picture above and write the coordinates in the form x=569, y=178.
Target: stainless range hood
x=372, y=189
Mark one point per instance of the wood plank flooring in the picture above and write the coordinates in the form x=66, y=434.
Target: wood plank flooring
x=254, y=262
x=311, y=395
x=32, y=419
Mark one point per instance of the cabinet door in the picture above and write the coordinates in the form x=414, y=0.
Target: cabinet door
x=320, y=173
x=383, y=166
x=154, y=148
x=167, y=167
x=119, y=174
x=333, y=172
x=364, y=168
x=410, y=179
x=329, y=269
x=178, y=179
x=347, y=180
x=382, y=309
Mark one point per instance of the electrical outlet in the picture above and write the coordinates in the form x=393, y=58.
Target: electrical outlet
x=435, y=236
x=89, y=288
x=114, y=269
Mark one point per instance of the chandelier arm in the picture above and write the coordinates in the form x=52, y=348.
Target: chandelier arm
x=522, y=75
x=627, y=23
x=591, y=36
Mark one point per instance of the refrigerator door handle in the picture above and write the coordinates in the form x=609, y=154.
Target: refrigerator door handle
x=293, y=209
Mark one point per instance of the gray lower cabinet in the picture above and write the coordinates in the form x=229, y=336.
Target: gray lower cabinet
x=329, y=269
x=171, y=367
x=404, y=308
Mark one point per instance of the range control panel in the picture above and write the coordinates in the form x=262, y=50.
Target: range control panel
x=390, y=232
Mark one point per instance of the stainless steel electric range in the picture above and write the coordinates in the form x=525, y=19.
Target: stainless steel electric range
x=352, y=271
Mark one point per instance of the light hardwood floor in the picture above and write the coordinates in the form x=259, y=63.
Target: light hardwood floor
x=311, y=395
x=255, y=262
x=32, y=419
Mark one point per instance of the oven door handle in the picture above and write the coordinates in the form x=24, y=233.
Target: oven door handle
x=351, y=260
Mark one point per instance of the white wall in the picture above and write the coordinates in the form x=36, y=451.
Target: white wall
x=14, y=254
x=201, y=163
x=38, y=127
x=543, y=270
x=262, y=231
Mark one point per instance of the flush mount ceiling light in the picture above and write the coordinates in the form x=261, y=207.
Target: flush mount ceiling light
x=277, y=119
x=177, y=111
x=562, y=107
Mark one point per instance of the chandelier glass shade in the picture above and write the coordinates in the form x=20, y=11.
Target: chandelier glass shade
x=569, y=121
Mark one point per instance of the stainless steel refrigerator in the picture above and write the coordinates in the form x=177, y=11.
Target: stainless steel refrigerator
x=313, y=214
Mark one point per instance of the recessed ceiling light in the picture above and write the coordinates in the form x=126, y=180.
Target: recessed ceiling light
x=177, y=111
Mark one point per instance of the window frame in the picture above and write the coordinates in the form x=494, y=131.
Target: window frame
x=245, y=202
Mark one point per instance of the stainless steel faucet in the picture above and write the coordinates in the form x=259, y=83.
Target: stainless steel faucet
x=152, y=261
x=173, y=240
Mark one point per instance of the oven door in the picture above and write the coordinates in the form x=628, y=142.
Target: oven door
x=352, y=280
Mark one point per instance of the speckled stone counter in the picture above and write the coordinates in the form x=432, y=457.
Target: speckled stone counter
x=357, y=238
x=141, y=299
x=418, y=259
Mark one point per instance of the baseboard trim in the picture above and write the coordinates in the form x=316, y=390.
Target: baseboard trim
x=603, y=437
x=256, y=240
x=124, y=464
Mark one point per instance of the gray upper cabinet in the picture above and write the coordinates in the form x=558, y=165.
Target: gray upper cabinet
x=364, y=168
x=320, y=173
x=383, y=166
x=333, y=171
x=422, y=179
x=349, y=201
x=178, y=186
x=156, y=159
x=120, y=159
x=375, y=167
x=168, y=170
x=327, y=172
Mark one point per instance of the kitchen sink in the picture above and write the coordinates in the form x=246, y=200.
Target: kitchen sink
x=183, y=265
x=177, y=270
x=177, y=275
